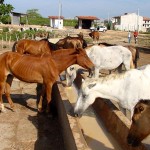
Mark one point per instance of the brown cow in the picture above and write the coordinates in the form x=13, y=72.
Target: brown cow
x=33, y=47
x=71, y=42
x=38, y=69
x=95, y=36
x=140, y=128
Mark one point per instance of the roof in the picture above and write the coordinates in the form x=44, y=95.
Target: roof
x=123, y=15
x=16, y=13
x=87, y=17
x=55, y=17
x=116, y=17
x=146, y=19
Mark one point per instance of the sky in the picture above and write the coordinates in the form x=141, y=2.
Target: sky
x=103, y=9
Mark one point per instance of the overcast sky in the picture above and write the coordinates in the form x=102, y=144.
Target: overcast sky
x=71, y=8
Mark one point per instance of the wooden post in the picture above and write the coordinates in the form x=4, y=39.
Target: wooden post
x=16, y=37
x=9, y=40
x=2, y=42
x=6, y=36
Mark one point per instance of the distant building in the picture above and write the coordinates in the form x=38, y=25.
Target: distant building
x=131, y=21
x=56, y=22
x=85, y=22
x=146, y=22
x=16, y=18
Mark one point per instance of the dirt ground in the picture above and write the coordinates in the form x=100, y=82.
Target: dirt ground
x=24, y=129
x=120, y=38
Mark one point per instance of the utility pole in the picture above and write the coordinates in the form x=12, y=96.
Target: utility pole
x=108, y=18
x=138, y=20
x=59, y=13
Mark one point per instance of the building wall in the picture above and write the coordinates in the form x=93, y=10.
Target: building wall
x=56, y=23
x=80, y=24
x=130, y=22
x=146, y=24
x=15, y=20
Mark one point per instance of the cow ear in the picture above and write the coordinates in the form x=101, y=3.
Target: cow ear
x=91, y=85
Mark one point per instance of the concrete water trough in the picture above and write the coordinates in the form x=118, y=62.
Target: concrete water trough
x=102, y=127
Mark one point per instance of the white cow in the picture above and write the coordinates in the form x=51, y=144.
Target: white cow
x=126, y=88
x=107, y=58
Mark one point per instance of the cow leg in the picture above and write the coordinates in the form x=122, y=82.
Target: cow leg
x=96, y=73
x=7, y=90
x=2, y=86
x=41, y=99
x=132, y=65
x=48, y=89
x=135, y=63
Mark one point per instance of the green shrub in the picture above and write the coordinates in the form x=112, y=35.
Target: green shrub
x=17, y=35
x=5, y=29
x=70, y=22
x=36, y=21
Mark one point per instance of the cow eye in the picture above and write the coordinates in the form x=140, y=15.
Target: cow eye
x=84, y=96
x=71, y=68
x=141, y=108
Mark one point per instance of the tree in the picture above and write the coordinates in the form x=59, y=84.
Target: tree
x=33, y=13
x=5, y=10
x=1, y=1
x=34, y=18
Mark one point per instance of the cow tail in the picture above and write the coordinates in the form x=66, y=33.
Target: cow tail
x=137, y=54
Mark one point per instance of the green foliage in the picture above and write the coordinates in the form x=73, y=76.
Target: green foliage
x=1, y=1
x=38, y=21
x=5, y=29
x=46, y=21
x=15, y=35
x=5, y=10
x=33, y=13
x=148, y=31
x=71, y=22
x=34, y=18
x=108, y=25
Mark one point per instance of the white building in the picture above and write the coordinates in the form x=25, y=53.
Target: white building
x=146, y=22
x=56, y=22
x=129, y=21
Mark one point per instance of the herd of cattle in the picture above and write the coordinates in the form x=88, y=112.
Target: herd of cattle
x=44, y=61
